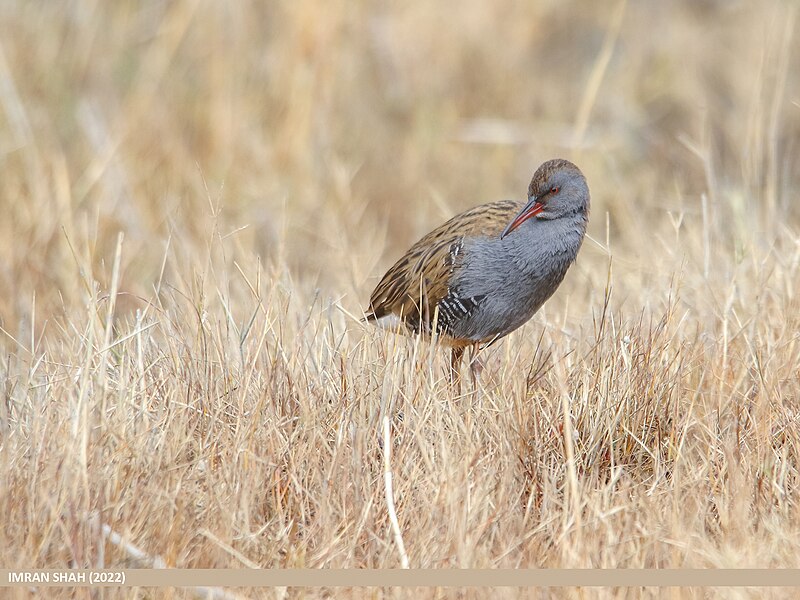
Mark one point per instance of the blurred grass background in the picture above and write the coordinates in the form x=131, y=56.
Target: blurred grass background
x=346, y=130
x=266, y=161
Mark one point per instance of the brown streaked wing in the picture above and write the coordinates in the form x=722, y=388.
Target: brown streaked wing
x=420, y=279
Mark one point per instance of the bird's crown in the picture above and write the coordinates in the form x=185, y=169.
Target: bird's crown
x=542, y=178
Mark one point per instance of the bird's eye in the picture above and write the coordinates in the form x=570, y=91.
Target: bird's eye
x=555, y=189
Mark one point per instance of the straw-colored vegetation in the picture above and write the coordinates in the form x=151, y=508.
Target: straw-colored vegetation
x=197, y=198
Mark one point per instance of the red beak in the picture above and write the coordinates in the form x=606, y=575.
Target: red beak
x=532, y=208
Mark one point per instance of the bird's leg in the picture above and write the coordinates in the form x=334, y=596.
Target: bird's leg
x=475, y=364
x=455, y=367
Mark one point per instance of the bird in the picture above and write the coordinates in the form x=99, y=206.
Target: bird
x=486, y=271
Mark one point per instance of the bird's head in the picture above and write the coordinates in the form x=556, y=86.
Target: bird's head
x=558, y=189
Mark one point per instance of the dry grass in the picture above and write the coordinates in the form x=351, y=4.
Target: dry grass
x=198, y=197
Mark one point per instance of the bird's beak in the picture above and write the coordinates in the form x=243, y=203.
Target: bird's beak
x=533, y=207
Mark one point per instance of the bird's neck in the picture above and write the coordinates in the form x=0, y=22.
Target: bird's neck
x=547, y=242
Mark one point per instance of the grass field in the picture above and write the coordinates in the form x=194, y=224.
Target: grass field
x=198, y=197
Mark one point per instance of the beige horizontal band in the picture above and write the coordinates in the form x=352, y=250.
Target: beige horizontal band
x=403, y=578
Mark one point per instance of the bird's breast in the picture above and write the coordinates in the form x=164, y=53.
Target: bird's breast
x=513, y=277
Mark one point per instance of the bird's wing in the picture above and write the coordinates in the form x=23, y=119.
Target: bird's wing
x=415, y=285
